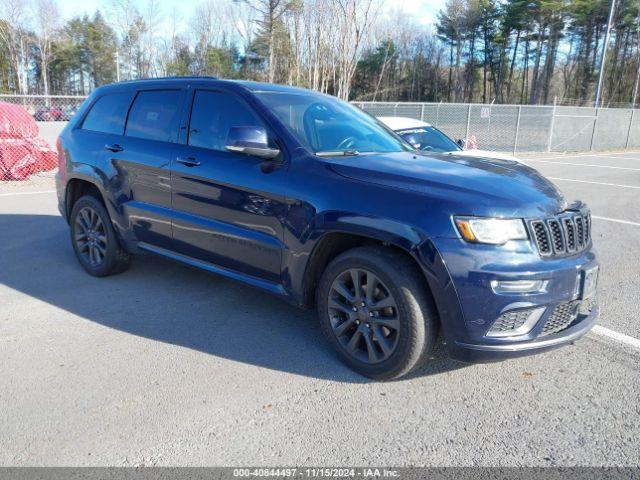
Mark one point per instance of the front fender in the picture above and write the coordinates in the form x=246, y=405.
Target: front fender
x=309, y=244
x=303, y=261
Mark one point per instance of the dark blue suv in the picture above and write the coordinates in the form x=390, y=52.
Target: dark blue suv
x=309, y=198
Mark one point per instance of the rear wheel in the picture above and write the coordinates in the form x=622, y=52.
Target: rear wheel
x=376, y=311
x=94, y=240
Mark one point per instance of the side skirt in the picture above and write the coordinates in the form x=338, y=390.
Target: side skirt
x=271, y=287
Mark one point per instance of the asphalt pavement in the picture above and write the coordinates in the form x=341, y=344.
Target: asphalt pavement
x=166, y=365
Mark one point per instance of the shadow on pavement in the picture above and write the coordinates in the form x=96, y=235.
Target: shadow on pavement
x=167, y=302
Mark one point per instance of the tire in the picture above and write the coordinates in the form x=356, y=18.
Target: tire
x=407, y=330
x=94, y=240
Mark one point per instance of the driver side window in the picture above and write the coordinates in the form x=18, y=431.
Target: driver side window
x=213, y=114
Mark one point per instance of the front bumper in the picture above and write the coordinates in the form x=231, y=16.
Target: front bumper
x=470, y=352
x=460, y=276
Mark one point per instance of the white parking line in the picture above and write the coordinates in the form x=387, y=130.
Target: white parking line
x=582, y=164
x=594, y=155
x=595, y=183
x=627, y=222
x=619, y=337
x=26, y=193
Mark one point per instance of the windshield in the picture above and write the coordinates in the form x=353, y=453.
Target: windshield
x=328, y=126
x=429, y=139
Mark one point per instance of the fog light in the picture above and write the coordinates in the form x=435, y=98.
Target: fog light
x=519, y=286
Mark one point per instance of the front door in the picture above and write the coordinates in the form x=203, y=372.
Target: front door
x=228, y=207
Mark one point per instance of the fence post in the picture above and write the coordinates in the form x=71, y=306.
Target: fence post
x=593, y=132
x=395, y=110
x=422, y=112
x=466, y=135
x=626, y=144
x=515, y=140
x=437, y=114
x=553, y=123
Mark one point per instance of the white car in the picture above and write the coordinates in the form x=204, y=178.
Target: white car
x=424, y=136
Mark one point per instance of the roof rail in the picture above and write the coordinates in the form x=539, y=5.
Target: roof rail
x=188, y=77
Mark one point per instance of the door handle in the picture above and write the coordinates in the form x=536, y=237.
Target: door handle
x=188, y=161
x=114, y=148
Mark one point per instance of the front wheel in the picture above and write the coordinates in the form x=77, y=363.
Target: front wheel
x=94, y=240
x=375, y=309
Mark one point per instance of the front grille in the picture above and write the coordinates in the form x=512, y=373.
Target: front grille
x=563, y=315
x=564, y=234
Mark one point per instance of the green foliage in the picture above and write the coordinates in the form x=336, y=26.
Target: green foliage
x=84, y=55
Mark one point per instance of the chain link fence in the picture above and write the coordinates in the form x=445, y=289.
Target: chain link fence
x=30, y=124
x=524, y=128
x=29, y=127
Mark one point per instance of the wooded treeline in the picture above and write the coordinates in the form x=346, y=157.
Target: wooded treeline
x=504, y=51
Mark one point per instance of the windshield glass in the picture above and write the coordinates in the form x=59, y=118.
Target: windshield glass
x=330, y=126
x=429, y=139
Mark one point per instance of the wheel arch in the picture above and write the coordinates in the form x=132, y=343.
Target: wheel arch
x=330, y=244
x=77, y=187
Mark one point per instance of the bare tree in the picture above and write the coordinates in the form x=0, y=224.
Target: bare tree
x=152, y=20
x=13, y=32
x=356, y=17
x=125, y=17
x=47, y=23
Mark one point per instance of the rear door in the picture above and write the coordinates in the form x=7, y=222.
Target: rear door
x=229, y=207
x=142, y=159
x=101, y=128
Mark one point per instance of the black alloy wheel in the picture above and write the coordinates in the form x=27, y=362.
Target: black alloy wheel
x=90, y=236
x=94, y=239
x=364, y=315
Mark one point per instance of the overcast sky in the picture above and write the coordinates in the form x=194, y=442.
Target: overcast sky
x=424, y=11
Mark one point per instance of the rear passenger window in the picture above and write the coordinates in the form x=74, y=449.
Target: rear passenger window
x=213, y=114
x=154, y=116
x=108, y=114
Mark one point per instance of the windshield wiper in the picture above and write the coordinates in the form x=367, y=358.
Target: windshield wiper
x=339, y=153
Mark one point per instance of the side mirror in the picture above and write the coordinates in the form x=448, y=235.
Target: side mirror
x=251, y=141
x=461, y=143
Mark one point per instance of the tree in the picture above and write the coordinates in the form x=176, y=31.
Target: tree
x=449, y=28
x=270, y=14
x=47, y=22
x=15, y=38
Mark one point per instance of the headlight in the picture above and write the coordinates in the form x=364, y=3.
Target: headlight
x=496, y=231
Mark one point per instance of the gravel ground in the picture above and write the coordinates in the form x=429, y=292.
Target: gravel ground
x=165, y=365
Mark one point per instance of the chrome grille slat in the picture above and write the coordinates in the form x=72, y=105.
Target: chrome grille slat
x=557, y=238
x=587, y=228
x=565, y=234
x=579, y=230
x=569, y=234
x=541, y=236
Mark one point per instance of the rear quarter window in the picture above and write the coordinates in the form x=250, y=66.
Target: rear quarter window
x=155, y=115
x=108, y=113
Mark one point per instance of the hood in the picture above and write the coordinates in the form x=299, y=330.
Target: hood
x=474, y=186
x=475, y=153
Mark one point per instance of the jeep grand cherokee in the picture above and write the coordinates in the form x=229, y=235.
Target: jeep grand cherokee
x=309, y=198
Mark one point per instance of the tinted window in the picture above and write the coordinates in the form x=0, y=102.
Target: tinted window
x=327, y=125
x=108, y=114
x=429, y=139
x=213, y=114
x=154, y=116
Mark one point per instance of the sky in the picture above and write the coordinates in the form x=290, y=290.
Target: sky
x=424, y=11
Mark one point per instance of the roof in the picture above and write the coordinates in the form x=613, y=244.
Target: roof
x=249, y=85
x=400, y=123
